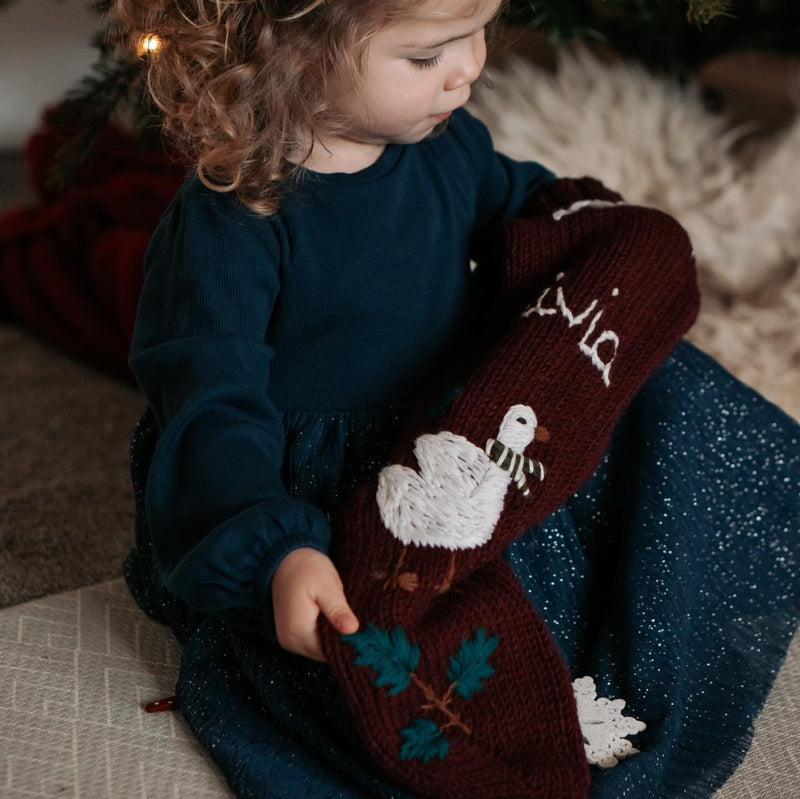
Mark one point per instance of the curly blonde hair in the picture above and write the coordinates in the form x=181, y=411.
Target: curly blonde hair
x=243, y=84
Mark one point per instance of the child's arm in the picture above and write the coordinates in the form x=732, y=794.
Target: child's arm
x=219, y=516
x=505, y=186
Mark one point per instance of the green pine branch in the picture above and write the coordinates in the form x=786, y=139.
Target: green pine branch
x=116, y=82
x=701, y=12
x=574, y=19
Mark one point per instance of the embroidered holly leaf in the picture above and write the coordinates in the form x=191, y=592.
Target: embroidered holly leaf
x=469, y=666
x=388, y=652
x=424, y=740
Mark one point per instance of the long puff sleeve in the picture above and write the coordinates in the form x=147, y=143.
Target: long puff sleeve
x=505, y=187
x=220, y=518
x=504, y=184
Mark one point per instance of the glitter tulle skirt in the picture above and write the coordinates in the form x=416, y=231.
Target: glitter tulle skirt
x=671, y=578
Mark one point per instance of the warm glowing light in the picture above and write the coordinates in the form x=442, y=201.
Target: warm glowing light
x=149, y=44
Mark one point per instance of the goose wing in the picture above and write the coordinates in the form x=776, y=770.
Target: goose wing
x=450, y=464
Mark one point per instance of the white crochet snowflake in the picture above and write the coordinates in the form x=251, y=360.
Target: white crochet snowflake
x=603, y=726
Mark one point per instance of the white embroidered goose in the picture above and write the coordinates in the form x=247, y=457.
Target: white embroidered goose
x=455, y=499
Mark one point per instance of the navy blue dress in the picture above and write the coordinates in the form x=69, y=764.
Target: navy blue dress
x=278, y=368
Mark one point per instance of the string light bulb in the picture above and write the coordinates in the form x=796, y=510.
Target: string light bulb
x=149, y=44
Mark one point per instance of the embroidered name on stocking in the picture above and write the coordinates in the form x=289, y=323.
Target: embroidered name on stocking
x=591, y=351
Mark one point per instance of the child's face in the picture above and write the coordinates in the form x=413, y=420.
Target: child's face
x=417, y=72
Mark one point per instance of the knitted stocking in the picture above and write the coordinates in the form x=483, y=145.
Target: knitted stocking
x=454, y=682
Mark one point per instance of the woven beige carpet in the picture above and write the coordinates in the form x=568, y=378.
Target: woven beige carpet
x=75, y=671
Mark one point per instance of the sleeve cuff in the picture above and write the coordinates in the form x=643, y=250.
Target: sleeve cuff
x=275, y=554
x=232, y=567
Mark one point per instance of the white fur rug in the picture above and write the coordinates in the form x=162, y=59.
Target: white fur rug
x=653, y=141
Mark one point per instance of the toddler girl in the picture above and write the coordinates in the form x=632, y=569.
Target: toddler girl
x=285, y=321
x=312, y=274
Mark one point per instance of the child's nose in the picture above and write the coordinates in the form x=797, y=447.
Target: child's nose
x=469, y=65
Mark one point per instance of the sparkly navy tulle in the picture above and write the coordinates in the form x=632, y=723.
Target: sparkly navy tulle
x=671, y=577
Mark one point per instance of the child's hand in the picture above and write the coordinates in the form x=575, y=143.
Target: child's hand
x=306, y=584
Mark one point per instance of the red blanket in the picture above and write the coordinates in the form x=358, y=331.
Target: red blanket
x=71, y=264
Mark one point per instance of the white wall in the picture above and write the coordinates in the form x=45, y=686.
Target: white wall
x=44, y=51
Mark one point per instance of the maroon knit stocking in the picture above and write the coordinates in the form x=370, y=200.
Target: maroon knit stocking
x=454, y=682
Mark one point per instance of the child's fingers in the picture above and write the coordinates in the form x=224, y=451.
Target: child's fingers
x=302, y=639
x=296, y=624
x=334, y=607
x=306, y=584
x=314, y=648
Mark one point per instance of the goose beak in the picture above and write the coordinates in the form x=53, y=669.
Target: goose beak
x=541, y=434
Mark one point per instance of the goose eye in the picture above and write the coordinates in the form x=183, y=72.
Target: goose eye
x=522, y=420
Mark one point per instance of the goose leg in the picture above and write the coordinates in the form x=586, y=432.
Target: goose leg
x=448, y=580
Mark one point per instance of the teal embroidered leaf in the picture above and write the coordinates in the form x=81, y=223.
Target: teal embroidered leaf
x=469, y=666
x=388, y=652
x=443, y=403
x=424, y=740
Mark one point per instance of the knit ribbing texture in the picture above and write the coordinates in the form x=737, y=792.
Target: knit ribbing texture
x=454, y=682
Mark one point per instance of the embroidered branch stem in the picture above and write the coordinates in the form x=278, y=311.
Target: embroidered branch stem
x=408, y=581
x=448, y=580
x=391, y=580
x=434, y=703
